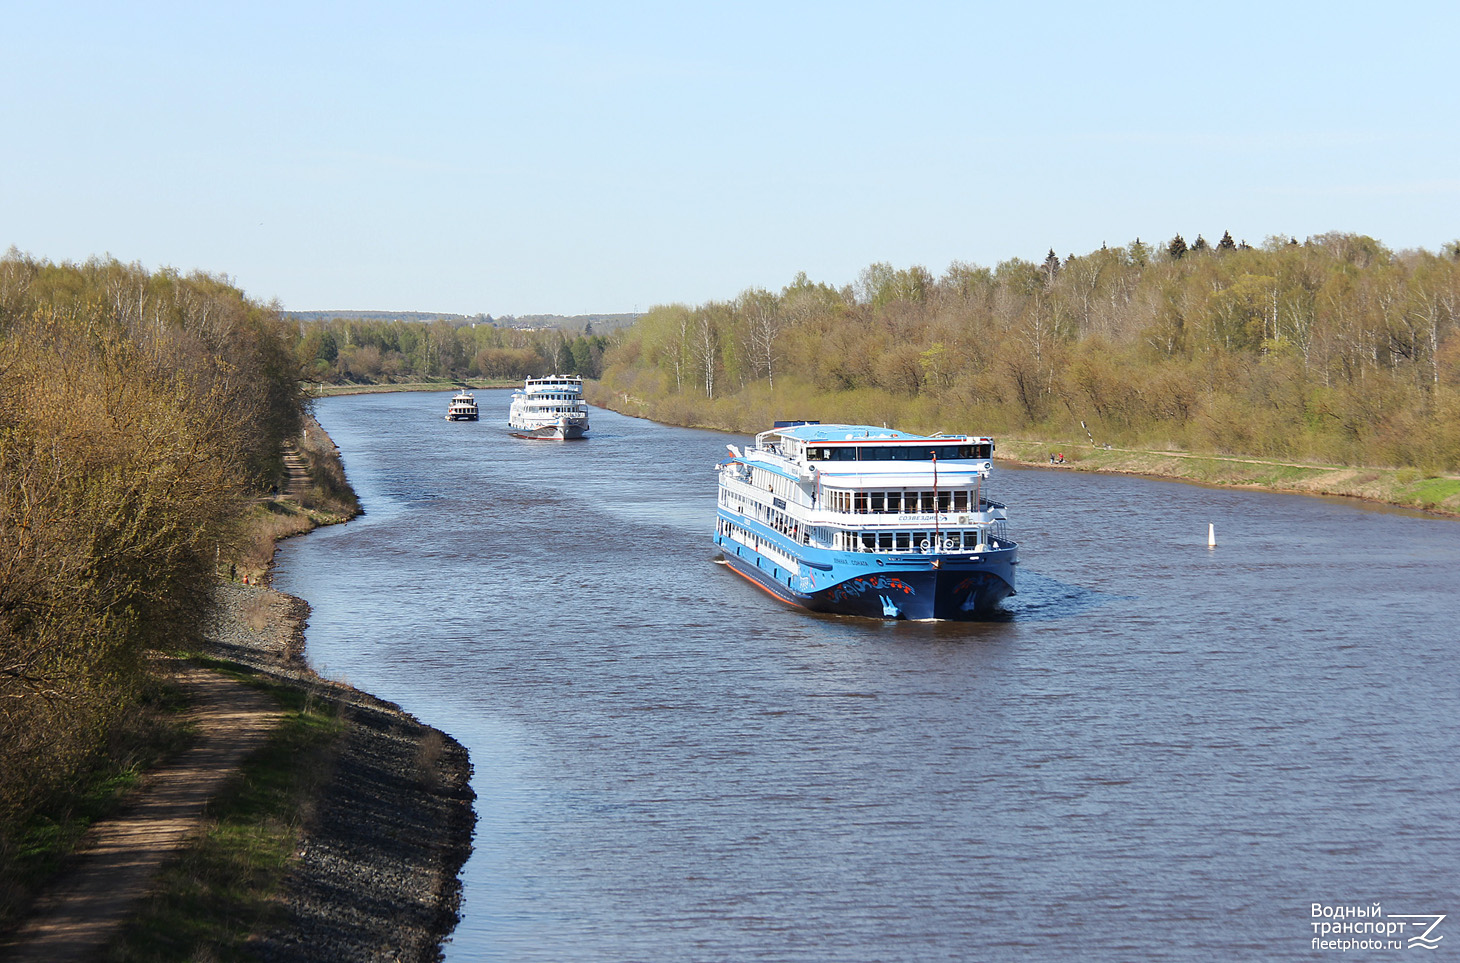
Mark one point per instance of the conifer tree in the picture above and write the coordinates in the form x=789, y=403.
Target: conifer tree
x=1200, y=244
x=1226, y=243
x=1051, y=264
x=1177, y=248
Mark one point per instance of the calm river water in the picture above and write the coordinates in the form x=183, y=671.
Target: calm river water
x=1166, y=752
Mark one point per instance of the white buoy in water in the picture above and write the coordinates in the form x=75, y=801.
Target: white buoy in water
x=1211, y=535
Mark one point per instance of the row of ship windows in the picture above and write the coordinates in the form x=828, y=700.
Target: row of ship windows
x=784, y=524
x=897, y=452
x=854, y=541
x=897, y=502
x=953, y=540
x=760, y=545
x=776, y=519
x=879, y=502
x=778, y=484
x=946, y=541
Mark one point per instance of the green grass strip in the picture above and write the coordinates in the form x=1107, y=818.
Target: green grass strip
x=222, y=888
x=155, y=730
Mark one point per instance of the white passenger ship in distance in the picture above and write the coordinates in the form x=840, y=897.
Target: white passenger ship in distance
x=550, y=407
x=463, y=407
x=867, y=521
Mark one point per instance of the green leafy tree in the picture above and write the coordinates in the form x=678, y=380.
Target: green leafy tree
x=1338, y=349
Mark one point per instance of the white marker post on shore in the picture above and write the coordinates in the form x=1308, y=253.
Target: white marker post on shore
x=1211, y=535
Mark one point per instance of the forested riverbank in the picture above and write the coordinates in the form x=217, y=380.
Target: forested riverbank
x=1334, y=352
x=142, y=417
x=155, y=442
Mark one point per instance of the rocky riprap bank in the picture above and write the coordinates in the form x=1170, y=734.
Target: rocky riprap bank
x=376, y=872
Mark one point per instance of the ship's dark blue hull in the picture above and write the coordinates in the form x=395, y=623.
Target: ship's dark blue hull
x=958, y=589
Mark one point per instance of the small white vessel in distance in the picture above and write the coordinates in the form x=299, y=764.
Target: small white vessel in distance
x=463, y=407
x=550, y=407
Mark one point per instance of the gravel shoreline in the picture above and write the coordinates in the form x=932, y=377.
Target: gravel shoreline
x=376, y=873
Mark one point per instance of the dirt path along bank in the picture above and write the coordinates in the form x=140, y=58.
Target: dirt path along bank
x=119, y=857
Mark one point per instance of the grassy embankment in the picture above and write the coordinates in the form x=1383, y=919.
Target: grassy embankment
x=156, y=730
x=220, y=890
x=1400, y=487
x=217, y=891
x=318, y=495
x=143, y=419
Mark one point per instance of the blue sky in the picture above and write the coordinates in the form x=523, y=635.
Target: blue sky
x=549, y=157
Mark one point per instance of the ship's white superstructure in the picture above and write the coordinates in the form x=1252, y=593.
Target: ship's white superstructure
x=463, y=407
x=550, y=407
x=867, y=521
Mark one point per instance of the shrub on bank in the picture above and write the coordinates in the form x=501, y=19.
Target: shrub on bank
x=137, y=413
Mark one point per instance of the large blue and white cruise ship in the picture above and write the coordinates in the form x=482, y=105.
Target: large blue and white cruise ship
x=867, y=521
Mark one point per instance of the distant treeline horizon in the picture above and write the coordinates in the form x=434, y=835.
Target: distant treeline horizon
x=375, y=351
x=1333, y=349
x=576, y=322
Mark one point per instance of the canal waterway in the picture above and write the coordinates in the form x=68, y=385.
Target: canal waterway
x=1164, y=752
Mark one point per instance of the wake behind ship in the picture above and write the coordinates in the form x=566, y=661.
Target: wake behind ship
x=868, y=521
